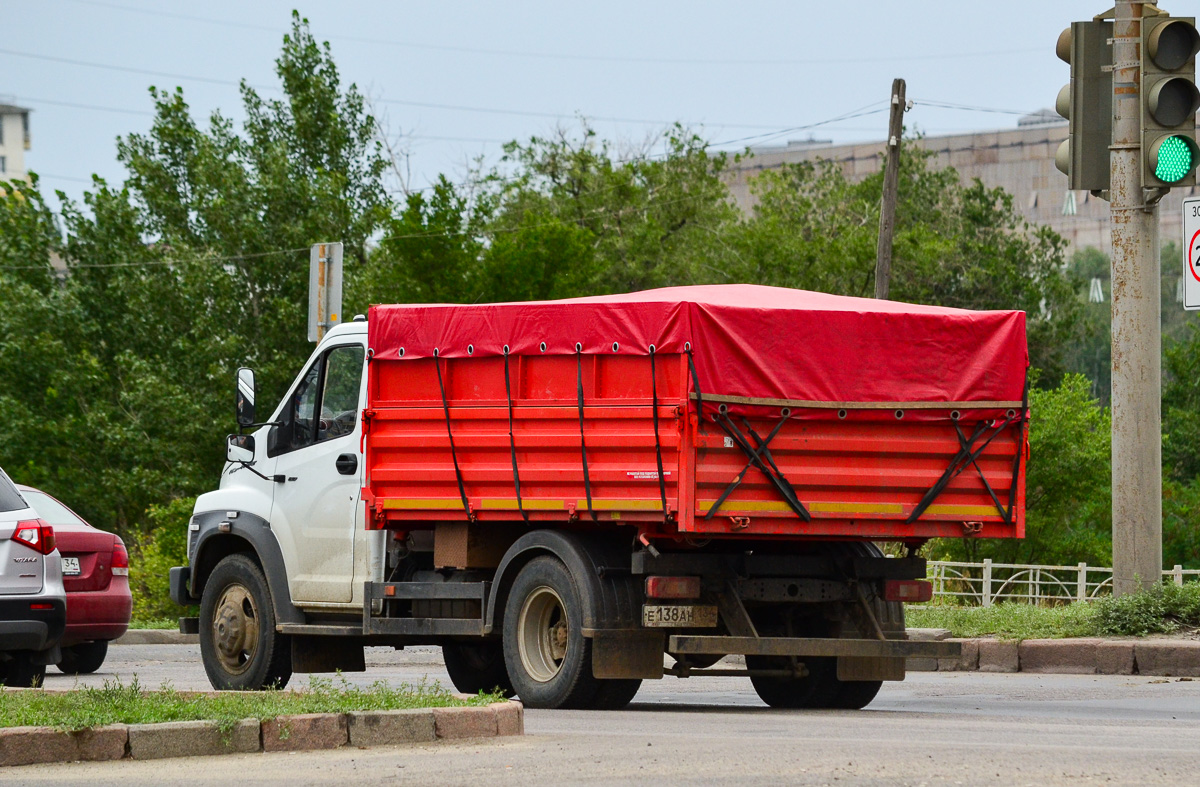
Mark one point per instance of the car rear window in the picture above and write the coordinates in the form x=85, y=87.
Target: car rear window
x=10, y=498
x=51, y=510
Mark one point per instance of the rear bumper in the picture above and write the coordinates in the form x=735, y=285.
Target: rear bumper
x=812, y=646
x=22, y=628
x=98, y=614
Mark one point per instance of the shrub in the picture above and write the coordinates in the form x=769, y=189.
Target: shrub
x=164, y=545
x=1160, y=610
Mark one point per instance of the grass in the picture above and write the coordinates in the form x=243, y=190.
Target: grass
x=171, y=624
x=1162, y=610
x=114, y=702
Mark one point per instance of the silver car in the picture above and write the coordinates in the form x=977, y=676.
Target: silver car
x=33, y=603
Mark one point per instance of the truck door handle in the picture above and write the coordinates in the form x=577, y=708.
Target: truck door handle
x=347, y=464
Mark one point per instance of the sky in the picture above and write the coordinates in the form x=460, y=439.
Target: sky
x=451, y=81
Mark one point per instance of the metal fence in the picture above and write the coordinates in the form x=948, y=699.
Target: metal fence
x=987, y=582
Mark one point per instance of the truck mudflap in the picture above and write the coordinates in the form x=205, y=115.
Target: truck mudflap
x=811, y=646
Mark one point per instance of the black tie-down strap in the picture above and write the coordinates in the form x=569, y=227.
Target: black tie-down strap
x=512, y=443
x=662, y=483
x=462, y=490
x=970, y=449
x=760, y=457
x=587, y=482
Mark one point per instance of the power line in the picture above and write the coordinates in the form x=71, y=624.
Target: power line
x=165, y=261
x=587, y=58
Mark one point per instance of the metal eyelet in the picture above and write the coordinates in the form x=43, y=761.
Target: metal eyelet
x=616, y=347
x=786, y=412
x=578, y=347
x=955, y=415
x=1009, y=413
x=723, y=409
x=470, y=349
x=401, y=352
x=842, y=414
x=435, y=352
x=899, y=414
x=506, y=349
x=542, y=347
x=687, y=347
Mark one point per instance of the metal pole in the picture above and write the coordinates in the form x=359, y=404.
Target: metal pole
x=1136, y=366
x=891, y=177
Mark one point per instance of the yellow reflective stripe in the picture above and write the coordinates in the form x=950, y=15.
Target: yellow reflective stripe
x=962, y=510
x=419, y=503
x=510, y=504
x=857, y=508
x=599, y=504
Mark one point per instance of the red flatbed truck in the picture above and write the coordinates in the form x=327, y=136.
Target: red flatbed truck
x=559, y=493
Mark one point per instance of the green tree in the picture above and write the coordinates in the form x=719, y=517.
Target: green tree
x=1068, y=485
x=955, y=244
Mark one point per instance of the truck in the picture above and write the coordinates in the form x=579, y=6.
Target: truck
x=570, y=497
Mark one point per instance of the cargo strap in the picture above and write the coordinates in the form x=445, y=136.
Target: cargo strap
x=662, y=483
x=966, y=457
x=462, y=490
x=512, y=445
x=587, y=482
x=695, y=383
x=759, y=457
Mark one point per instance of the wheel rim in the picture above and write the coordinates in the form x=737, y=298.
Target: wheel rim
x=235, y=629
x=542, y=634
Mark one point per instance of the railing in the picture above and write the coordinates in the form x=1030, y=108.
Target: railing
x=987, y=582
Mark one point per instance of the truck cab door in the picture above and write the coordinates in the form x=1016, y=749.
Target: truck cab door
x=316, y=448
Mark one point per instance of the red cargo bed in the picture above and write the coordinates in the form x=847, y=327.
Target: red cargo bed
x=881, y=420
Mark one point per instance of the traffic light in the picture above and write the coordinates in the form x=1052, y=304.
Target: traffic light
x=1087, y=103
x=1169, y=101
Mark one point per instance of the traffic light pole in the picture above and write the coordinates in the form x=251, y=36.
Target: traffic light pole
x=1136, y=328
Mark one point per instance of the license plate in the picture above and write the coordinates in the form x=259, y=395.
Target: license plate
x=71, y=566
x=678, y=616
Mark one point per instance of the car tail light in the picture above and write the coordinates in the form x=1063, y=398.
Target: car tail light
x=911, y=590
x=672, y=587
x=120, y=560
x=35, y=534
x=41, y=605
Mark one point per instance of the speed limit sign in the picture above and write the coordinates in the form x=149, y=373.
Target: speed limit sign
x=1191, y=253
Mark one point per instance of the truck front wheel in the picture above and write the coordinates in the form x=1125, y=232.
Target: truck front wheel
x=548, y=658
x=238, y=643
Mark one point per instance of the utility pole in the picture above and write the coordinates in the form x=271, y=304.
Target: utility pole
x=887, y=208
x=1136, y=364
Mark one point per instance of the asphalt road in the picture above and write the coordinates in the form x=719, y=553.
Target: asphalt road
x=934, y=728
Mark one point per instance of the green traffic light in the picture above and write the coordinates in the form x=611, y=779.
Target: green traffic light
x=1175, y=160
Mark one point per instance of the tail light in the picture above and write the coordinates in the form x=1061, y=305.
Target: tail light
x=910, y=590
x=120, y=560
x=36, y=534
x=673, y=587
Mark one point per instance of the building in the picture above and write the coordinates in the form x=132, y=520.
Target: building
x=1019, y=160
x=14, y=141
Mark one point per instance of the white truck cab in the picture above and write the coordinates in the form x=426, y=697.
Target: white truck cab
x=290, y=505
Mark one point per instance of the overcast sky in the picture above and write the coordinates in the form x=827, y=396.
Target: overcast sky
x=452, y=80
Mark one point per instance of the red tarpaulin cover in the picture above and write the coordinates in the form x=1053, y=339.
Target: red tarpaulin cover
x=748, y=341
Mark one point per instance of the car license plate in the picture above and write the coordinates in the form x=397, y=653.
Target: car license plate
x=71, y=566
x=678, y=615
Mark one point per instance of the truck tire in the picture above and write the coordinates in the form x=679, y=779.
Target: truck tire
x=477, y=667
x=84, y=658
x=615, y=693
x=19, y=672
x=549, y=660
x=238, y=643
x=817, y=689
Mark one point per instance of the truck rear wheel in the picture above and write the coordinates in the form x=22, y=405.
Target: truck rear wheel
x=477, y=667
x=549, y=660
x=238, y=643
x=817, y=689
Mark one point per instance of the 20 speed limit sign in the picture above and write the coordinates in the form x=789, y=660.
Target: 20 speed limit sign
x=1191, y=253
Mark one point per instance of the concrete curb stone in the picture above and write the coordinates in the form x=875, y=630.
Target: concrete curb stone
x=997, y=655
x=155, y=637
x=192, y=739
x=1175, y=658
x=31, y=745
x=388, y=727
x=510, y=718
x=968, y=660
x=305, y=732
x=455, y=723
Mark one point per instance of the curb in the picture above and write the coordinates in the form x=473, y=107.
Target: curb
x=155, y=637
x=1083, y=656
x=302, y=732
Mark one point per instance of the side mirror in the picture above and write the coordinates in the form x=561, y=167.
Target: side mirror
x=245, y=397
x=239, y=448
